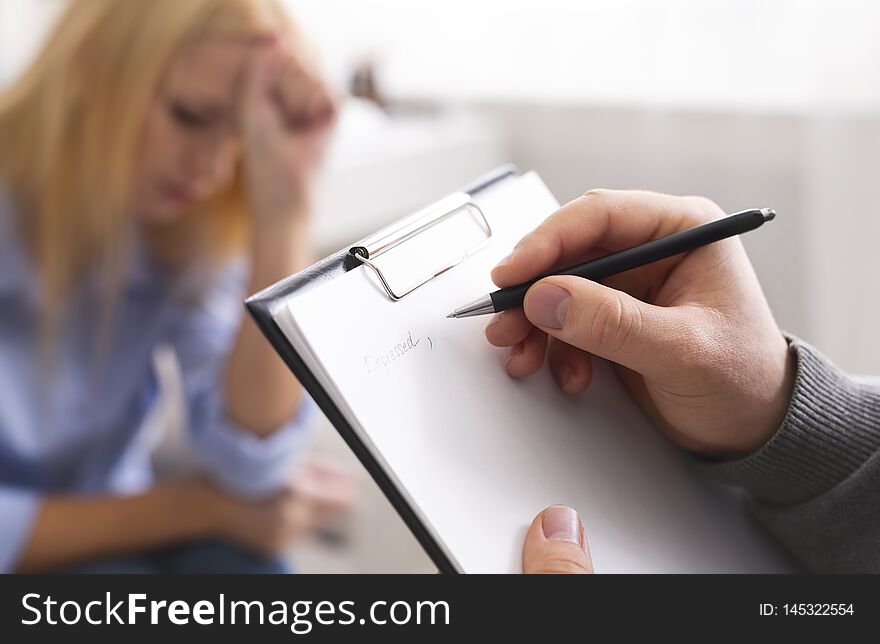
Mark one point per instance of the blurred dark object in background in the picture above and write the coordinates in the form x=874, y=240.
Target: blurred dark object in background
x=363, y=83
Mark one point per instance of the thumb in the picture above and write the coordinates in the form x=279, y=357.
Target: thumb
x=556, y=544
x=601, y=320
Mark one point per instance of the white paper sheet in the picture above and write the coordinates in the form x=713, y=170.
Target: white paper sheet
x=479, y=454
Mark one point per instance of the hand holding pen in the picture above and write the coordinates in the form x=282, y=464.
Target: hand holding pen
x=692, y=335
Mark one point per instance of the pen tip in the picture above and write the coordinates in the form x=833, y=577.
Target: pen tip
x=451, y=315
x=768, y=213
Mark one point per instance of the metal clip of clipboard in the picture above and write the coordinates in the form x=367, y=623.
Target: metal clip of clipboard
x=417, y=223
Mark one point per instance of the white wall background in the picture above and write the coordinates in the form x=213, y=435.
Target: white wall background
x=733, y=54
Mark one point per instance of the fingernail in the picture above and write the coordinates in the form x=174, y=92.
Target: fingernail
x=547, y=305
x=561, y=523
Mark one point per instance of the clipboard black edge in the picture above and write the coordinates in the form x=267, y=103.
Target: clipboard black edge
x=261, y=307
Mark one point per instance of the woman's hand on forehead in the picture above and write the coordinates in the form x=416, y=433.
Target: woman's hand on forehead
x=287, y=115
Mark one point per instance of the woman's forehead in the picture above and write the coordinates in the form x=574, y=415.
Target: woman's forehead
x=212, y=69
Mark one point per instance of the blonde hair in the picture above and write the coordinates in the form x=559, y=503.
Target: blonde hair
x=71, y=126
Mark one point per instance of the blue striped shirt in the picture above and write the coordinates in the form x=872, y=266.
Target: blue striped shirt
x=78, y=428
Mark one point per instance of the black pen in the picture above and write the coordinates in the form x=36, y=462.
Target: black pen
x=624, y=260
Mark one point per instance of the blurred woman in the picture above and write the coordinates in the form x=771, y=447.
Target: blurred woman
x=155, y=166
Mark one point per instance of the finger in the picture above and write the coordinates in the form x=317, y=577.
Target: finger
x=556, y=544
x=322, y=108
x=571, y=367
x=296, y=89
x=527, y=356
x=609, y=219
x=609, y=323
x=303, y=96
x=321, y=466
x=508, y=328
x=261, y=70
x=309, y=107
x=333, y=491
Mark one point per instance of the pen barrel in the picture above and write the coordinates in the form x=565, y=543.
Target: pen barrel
x=652, y=251
x=510, y=297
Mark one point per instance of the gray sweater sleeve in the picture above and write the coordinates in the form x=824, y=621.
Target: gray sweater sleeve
x=815, y=484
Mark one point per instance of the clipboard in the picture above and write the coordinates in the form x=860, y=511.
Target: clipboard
x=381, y=287
x=262, y=307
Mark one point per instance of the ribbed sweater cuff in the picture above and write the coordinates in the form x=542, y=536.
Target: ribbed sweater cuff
x=831, y=428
